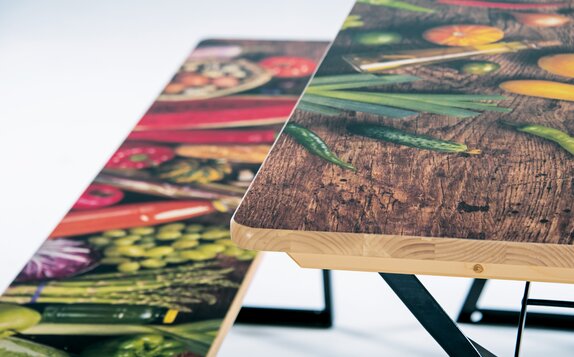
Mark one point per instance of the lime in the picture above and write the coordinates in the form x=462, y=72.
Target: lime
x=480, y=68
x=376, y=38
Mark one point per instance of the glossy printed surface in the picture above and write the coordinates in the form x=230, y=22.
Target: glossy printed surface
x=460, y=127
x=143, y=264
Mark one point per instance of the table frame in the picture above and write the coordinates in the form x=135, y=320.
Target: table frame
x=293, y=317
x=471, y=313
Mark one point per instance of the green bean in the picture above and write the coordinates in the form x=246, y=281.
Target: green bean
x=396, y=136
x=315, y=145
x=558, y=136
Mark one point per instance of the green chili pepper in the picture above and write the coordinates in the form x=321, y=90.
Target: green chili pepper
x=386, y=133
x=315, y=145
x=559, y=137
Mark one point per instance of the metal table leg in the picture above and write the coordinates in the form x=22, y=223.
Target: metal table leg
x=433, y=318
x=471, y=313
x=292, y=317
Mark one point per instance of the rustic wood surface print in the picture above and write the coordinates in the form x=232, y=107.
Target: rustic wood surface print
x=481, y=174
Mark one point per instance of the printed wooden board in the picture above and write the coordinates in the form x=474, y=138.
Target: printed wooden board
x=143, y=264
x=434, y=132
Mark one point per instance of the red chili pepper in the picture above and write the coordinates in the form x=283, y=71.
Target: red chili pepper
x=289, y=67
x=132, y=215
x=217, y=113
x=139, y=156
x=206, y=136
x=98, y=196
x=502, y=5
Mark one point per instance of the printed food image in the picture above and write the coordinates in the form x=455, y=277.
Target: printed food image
x=441, y=119
x=143, y=263
x=214, y=78
x=463, y=35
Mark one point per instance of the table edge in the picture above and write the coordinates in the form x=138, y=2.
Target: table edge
x=414, y=255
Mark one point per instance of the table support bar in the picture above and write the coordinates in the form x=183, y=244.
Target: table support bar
x=432, y=317
x=292, y=317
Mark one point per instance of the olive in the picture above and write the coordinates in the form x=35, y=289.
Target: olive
x=168, y=235
x=185, y=244
x=145, y=245
x=197, y=255
x=127, y=240
x=131, y=251
x=99, y=241
x=227, y=242
x=147, y=239
x=172, y=227
x=142, y=230
x=214, y=234
x=233, y=251
x=246, y=256
x=159, y=252
x=191, y=236
x=153, y=263
x=175, y=259
x=215, y=248
x=114, y=260
x=129, y=267
x=194, y=228
x=112, y=252
x=115, y=233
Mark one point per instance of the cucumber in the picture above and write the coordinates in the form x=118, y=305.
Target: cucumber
x=396, y=136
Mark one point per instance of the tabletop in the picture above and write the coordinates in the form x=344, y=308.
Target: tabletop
x=433, y=139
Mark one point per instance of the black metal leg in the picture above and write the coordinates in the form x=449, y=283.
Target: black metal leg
x=292, y=317
x=522, y=319
x=472, y=314
x=433, y=318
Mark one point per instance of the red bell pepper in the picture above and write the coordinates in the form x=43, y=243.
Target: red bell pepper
x=98, y=196
x=139, y=156
x=132, y=215
x=206, y=136
x=217, y=113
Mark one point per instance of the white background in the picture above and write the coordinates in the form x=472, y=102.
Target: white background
x=76, y=75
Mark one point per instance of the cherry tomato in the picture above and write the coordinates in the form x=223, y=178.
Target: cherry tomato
x=289, y=67
x=174, y=88
x=226, y=82
x=192, y=79
x=97, y=196
x=139, y=157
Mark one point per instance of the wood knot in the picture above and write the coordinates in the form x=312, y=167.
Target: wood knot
x=478, y=268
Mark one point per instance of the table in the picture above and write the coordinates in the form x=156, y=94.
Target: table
x=432, y=140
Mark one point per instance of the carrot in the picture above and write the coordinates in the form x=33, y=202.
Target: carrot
x=132, y=215
x=502, y=5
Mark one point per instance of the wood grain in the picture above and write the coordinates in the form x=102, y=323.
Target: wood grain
x=518, y=190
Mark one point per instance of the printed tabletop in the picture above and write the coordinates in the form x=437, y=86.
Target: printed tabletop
x=433, y=139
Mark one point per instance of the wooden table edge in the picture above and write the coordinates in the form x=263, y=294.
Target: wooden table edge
x=235, y=307
x=414, y=255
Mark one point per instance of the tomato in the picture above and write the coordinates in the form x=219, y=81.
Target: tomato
x=139, y=156
x=479, y=68
x=97, y=196
x=375, y=38
x=174, y=88
x=192, y=79
x=289, y=67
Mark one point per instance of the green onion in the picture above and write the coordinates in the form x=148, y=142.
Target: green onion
x=356, y=106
